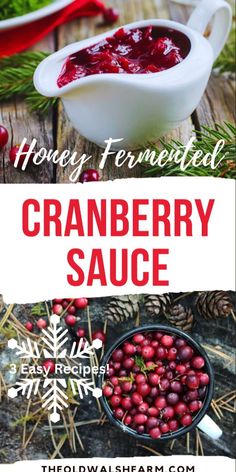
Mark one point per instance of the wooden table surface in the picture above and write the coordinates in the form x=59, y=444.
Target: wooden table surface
x=55, y=130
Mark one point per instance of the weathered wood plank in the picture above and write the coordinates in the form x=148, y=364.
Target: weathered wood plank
x=218, y=102
x=23, y=124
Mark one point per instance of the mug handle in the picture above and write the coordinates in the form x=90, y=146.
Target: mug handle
x=202, y=15
x=208, y=426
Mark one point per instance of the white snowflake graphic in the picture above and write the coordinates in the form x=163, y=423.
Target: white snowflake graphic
x=55, y=398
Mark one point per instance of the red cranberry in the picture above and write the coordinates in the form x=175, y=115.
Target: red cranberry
x=164, y=428
x=119, y=413
x=115, y=381
x=153, y=379
x=164, y=384
x=89, y=175
x=107, y=391
x=167, y=341
x=137, y=399
x=3, y=136
x=99, y=335
x=173, y=425
x=168, y=412
x=13, y=154
x=186, y=420
x=80, y=333
x=57, y=309
x=155, y=433
x=152, y=411
x=140, y=429
x=195, y=406
x=140, y=418
x=110, y=371
x=144, y=389
x=181, y=408
x=123, y=373
x=176, y=386
x=29, y=325
x=179, y=342
x=80, y=303
x=71, y=310
x=115, y=400
x=192, y=381
x=110, y=15
x=154, y=392
x=197, y=362
x=152, y=422
x=204, y=379
x=160, y=370
x=70, y=320
x=126, y=386
x=128, y=420
x=143, y=408
x=138, y=338
x=57, y=300
x=49, y=365
x=148, y=352
x=160, y=403
x=191, y=395
x=180, y=369
x=129, y=349
x=117, y=355
x=41, y=323
x=169, y=375
x=117, y=365
x=140, y=378
x=128, y=363
x=172, y=398
x=172, y=354
x=65, y=304
x=117, y=390
x=161, y=352
x=126, y=403
x=185, y=353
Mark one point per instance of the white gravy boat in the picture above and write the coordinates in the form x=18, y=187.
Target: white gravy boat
x=139, y=107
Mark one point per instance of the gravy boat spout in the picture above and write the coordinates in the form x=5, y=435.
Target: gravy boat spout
x=137, y=108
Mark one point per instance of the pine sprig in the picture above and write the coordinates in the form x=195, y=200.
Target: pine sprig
x=226, y=62
x=206, y=141
x=16, y=80
x=13, y=8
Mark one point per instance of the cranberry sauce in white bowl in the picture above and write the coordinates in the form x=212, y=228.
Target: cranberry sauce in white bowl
x=144, y=96
x=129, y=51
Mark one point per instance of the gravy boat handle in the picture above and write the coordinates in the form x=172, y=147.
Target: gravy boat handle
x=221, y=25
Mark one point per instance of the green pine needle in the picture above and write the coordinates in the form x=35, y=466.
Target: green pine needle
x=206, y=141
x=226, y=61
x=13, y=8
x=16, y=80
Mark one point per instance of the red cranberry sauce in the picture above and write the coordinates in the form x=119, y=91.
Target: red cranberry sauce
x=136, y=51
x=156, y=383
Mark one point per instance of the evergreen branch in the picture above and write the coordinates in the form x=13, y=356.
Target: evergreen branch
x=38, y=310
x=20, y=7
x=226, y=62
x=16, y=80
x=206, y=141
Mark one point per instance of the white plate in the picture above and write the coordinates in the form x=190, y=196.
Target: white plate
x=54, y=6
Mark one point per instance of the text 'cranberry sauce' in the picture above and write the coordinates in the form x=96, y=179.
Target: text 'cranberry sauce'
x=136, y=51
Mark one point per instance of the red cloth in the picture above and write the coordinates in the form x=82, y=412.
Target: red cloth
x=24, y=36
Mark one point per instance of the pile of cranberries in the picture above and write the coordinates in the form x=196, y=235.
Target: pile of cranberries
x=131, y=51
x=156, y=383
